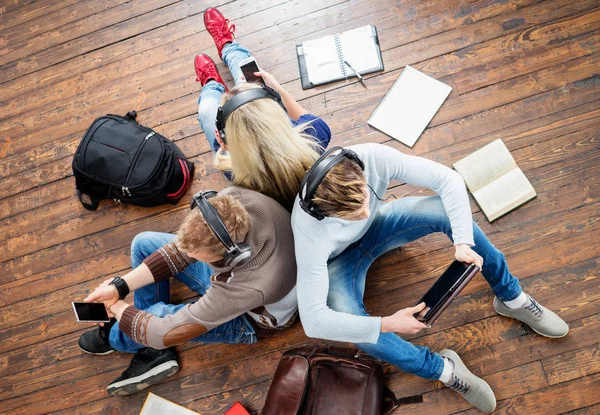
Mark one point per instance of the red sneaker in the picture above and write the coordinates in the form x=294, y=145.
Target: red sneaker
x=219, y=28
x=206, y=69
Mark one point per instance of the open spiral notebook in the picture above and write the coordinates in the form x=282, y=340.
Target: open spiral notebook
x=322, y=60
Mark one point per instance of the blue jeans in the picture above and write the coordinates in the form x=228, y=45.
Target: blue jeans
x=396, y=224
x=154, y=298
x=210, y=96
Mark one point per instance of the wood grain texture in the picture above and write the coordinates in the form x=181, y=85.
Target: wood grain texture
x=524, y=71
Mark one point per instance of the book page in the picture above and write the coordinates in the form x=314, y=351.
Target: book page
x=485, y=165
x=322, y=62
x=409, y=106
x=155, y=405
x=360, y=50
x=504, y=194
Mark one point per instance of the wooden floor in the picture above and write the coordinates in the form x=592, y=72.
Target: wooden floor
x=525, y=71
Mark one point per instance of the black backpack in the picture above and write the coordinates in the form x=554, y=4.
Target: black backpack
x=122, y=160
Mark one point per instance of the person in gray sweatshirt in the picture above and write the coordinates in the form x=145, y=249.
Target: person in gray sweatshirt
x=246, y=283
x=340, y=227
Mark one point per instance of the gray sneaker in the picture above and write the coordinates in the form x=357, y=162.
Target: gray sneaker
x=539, y=318
x=475, y=390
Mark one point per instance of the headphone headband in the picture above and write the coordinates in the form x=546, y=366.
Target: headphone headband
x=237, y=254
x=243, y=98
x=315, y=175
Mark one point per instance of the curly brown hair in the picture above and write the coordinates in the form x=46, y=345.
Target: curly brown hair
x=194, y=233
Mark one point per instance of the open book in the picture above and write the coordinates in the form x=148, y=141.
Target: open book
x=492, y=176
x=155, y=405
x=322, y=60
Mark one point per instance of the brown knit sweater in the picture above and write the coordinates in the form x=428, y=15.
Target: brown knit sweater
x=264, y=287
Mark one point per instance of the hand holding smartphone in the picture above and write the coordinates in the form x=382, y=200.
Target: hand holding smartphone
x=248, y=67
x=90, y=312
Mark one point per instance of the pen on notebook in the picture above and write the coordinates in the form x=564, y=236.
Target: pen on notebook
x=360, y=78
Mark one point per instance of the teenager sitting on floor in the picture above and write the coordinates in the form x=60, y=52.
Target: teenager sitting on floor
x=239, y=302
x=267, y=148
x=348, y=227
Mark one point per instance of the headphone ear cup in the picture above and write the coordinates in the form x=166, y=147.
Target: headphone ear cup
x=242, y=255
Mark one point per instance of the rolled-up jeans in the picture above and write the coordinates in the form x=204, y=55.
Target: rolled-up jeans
x=396, y=224
x=210, y=95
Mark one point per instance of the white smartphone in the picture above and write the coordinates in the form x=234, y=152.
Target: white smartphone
x=90, y=312
x=248, y=67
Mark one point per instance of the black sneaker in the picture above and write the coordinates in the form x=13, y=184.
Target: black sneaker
x=148, y=366
x=96, y=341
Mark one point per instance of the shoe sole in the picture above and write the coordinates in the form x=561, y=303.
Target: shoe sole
x=541, y=334
x=97, y=354
x=141, y=382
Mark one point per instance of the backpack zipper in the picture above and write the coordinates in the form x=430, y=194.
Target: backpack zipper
x=125, y=189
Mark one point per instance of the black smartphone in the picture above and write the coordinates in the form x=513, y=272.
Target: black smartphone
x=90, y=312
x=248, y=67
x=445, y=289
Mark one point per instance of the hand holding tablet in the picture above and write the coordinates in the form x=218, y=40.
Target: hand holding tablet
x=445, y=290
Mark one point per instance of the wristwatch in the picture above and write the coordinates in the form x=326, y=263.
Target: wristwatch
x=121, y=286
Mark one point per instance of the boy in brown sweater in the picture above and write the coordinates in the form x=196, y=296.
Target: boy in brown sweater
x=245, y=294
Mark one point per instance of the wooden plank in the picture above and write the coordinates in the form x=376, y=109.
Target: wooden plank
x=20, y=11
x=187, y=79
x=505, y=384
x=553, y=400
x=507, y=68
x=113, y=25
x=199, y=384
x=16, y=35
x=195, y=360
x=572, y=365
x=470, y=45
x=163, y=44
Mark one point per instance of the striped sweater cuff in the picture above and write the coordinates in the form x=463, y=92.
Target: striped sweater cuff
x=167, y=262
x=126, y=324
x=159, y=266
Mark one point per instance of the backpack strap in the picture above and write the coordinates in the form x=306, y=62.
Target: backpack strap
x=88, y=202
x=390, y=402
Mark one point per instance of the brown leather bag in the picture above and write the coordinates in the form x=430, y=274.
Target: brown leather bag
x=317, y=381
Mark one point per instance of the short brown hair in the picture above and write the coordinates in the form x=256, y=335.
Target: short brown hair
x=342, y=191
x=194, y=233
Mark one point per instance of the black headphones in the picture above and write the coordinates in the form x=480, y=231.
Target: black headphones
x=240, y=99
x=315, y=175
x=237, y=254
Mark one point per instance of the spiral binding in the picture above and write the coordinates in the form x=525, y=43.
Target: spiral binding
x=340, y=54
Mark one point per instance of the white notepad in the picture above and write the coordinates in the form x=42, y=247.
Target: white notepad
x=409, y=106
x=325, y=56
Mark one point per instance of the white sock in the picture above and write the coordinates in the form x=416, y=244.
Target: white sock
x=446, y=375
x=518, y=302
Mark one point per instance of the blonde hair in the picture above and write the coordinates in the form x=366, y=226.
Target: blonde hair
x=194, y=233
x=265, y=153
x=342, y=190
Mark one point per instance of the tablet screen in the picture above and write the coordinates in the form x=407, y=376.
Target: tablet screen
x=440, y=290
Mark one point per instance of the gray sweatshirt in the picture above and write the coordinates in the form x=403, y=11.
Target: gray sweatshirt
x=318, y=241
x=263, y=287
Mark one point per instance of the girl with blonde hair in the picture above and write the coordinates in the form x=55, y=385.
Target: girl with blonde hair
x=266, y=149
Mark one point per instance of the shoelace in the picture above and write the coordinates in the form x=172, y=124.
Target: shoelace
x=223, y=29
x=459, y=385
x=534, y=308
x=209, y=71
